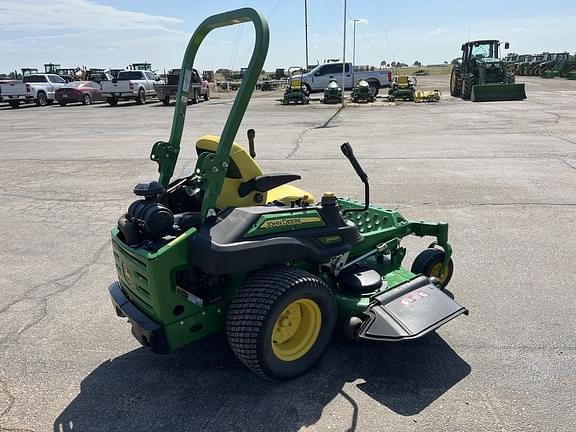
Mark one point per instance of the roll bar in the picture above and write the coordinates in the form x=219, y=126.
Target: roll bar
x=212, y=167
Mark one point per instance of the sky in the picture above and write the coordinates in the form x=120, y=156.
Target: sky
x=114, y=33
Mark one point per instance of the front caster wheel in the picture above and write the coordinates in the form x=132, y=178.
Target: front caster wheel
x=281, y=321
x=429, y=263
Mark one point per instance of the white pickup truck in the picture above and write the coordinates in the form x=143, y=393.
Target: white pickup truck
x=38, y=88
x=130, y=85
x=319, y=77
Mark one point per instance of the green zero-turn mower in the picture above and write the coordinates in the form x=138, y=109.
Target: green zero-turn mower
x=363, y=92
x=332, y=93
x=231, y=248
x=403, y=87
x=481, y=75
x=296, y=92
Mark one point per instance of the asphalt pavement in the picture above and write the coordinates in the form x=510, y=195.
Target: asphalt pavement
x=503, y=174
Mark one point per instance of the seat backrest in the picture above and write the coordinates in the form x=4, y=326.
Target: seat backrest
x=242, y=168
x=403, y=81
x=295, y=83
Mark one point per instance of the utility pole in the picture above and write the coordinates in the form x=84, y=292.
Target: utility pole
x=344, y=57
x=354, y=52
x=306, y=32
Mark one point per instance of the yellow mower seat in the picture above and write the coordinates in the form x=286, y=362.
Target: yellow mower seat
x=295, y=83
x=242, y=169
x=403, y=81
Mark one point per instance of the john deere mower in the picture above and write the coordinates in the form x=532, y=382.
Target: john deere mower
x=296, y=92
x=363, y=92
x=230, y=248
x=332, y=93
x=402, y=87
x=480, y=75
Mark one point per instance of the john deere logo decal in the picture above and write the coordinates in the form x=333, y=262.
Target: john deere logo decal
x=127, y=273
x=289, y=222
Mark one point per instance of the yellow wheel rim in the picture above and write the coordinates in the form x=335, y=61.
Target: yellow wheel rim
x=296, y=329
x=435, y=272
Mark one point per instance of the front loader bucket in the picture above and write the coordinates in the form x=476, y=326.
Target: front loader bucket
x=408, y=311
x=497, y=92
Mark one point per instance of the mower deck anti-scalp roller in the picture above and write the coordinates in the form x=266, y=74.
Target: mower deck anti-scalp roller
x=231, y=248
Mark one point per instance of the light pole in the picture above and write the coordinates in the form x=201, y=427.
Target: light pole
x=344, y=57
x=354, y=52
x=306, y=32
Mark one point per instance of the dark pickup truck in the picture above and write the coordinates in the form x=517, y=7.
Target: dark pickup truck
x=167, y=91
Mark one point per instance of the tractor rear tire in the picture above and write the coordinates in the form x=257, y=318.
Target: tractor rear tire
x=429, y=262
x=467, y=83
x=510, y=78
x=455, y=82
x=281, y=321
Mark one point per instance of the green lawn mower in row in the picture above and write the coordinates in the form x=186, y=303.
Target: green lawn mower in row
x=229, y=248
x=332, y=93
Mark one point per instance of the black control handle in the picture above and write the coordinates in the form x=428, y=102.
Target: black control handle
x=251, y=135
x=349, y=153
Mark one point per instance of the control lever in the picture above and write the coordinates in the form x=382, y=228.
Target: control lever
x=347, y=151
x=251, y=134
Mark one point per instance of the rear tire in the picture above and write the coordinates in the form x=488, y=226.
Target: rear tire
x=112, y=101
x=455, y=82
x=41, y=99
x=510, y=78
x=86, y=99
x=166, y=101
x=467, y=84
x=14, y=104
x=63, y=103
x=141, y=99
x=281, y=321
x=429, y=262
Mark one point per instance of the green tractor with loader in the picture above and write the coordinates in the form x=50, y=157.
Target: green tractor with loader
x=481, y=75
x=230, y=248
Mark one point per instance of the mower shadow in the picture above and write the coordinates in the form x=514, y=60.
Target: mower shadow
x=204, y=387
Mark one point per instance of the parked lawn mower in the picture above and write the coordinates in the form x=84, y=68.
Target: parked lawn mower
x=362, y=92
x=480, y=75
x=296, y=92
x=332, y=93
x=231, y=248
x=402, y=87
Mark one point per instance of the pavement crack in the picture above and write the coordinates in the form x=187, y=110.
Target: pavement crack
x=307, y=130
x=61, y=283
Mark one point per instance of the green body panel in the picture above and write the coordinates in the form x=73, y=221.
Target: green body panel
x=571, y=75
x=151, y=286
x=285, y=222
x=498, y=92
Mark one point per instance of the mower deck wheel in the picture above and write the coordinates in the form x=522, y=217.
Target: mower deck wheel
x=429, y=263
x=281, y=321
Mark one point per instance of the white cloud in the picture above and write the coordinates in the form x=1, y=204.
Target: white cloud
x=42, y=15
